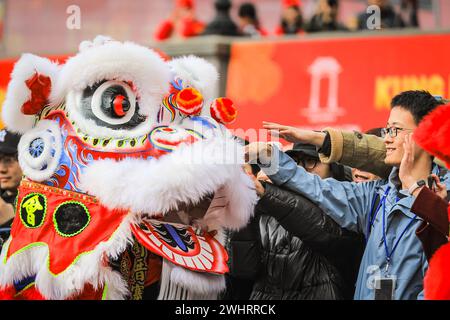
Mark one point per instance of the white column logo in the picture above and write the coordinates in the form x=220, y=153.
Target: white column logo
x=321, y=69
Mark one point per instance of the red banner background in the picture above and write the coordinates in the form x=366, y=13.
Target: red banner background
x=6, y=67
x=346, y=82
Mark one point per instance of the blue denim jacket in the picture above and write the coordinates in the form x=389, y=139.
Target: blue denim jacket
x=350, y=204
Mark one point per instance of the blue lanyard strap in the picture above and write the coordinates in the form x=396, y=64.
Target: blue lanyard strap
x=389, y=254
x=374, y=214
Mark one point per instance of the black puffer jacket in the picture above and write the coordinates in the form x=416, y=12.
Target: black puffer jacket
x=5, y=227
x=296, y=252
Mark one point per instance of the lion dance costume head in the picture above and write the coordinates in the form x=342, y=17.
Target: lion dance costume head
x=130, y=177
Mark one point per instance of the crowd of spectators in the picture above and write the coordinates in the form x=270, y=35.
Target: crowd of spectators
x=183, y=22
x=339, y=200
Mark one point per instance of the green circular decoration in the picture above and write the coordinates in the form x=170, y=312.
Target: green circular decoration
x=70, y=218
x=33, y=209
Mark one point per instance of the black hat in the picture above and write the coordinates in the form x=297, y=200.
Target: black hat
x=8, y=142
x=303, y=149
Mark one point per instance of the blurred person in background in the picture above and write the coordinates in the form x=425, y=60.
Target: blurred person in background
x=326, y=17
x=10, y=177
x=182, y=22
x=291, y=18
x=389, y=18
x=409, y=14
x=222, y=23
x=249, y=24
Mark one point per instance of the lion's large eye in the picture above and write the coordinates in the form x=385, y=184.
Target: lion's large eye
x=112, y=104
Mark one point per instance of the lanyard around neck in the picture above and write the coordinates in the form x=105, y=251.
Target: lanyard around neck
x=374, y=214
x=389, y=254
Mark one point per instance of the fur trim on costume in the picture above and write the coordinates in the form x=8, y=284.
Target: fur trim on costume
x=182, y=284
x=18, y=93
x=88, y=268
x=116, y=286
x=198, y=73
x=437, y=279
x=113, y=60
x=200, y=283
x=433, y=133
x=234, y=214
x=32, y=166
x=183, y=176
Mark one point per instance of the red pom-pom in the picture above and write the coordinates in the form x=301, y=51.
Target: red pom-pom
x=184, y=4
x=7, y=293
x=164, y=31
x=189, y=101
x=437, y=279
x=40, y=87
x=223, y=110
x=433, y=133
x=290, y=3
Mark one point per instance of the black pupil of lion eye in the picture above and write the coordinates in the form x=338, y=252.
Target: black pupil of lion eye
x=120, y=105
x=115, y=102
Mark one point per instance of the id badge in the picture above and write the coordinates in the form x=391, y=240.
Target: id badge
x=385, y=287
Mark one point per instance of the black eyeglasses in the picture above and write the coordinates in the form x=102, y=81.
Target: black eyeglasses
x=392, y=131
x=307, y=163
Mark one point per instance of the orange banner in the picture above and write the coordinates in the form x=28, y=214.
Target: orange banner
x=345, y=82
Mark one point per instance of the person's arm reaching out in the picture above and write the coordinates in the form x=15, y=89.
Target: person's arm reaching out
x=347, y=203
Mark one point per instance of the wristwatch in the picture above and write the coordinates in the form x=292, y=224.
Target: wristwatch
x=416, y=185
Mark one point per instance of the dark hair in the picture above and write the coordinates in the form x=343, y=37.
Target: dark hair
x=340, y=172
x=418, y=102
x=248, y=10
x=333, y=3
x=14, y=155
x=298, y=22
